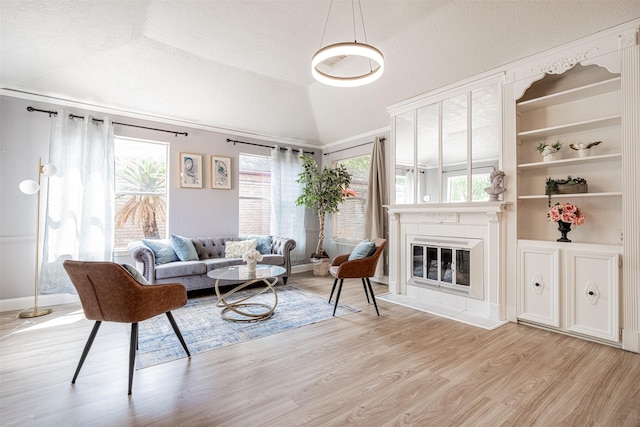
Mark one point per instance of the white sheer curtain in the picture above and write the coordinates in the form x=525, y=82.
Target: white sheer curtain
x=287, y=219
x=79, y=214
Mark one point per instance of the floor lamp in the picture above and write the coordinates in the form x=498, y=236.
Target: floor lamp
x=30, y=186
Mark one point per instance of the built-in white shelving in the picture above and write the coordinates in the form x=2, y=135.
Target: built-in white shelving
x=569, y=162
x=570, y=95
x=572, y=195
x=570, y=128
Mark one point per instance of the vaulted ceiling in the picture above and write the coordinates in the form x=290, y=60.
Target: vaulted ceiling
x=245, y=65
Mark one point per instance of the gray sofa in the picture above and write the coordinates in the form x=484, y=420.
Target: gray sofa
x=211, y=254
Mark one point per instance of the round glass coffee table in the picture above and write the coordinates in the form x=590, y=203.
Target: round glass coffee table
x=246, y=310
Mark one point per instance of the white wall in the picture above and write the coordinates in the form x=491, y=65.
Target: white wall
x=24, y=136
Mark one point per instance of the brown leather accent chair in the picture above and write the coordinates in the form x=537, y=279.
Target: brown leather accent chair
x=109, y=293
x=364, y=268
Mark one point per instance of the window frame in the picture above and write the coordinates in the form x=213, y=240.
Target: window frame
x=335, y=216
x=164, y=228
x=264, y=226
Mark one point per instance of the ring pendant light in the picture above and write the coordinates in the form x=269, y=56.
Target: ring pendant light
x=348, y=49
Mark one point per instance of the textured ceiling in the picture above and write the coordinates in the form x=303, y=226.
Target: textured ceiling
x=244, y=65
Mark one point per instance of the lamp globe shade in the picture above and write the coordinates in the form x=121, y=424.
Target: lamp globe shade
x=29, y=186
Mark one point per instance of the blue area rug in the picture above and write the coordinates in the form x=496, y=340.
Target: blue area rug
x=204, y=329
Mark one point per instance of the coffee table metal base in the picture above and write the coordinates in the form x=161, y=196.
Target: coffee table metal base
x=239, y=306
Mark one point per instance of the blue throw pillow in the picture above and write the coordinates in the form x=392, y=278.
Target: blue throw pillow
x=263, y=243
x=135, y=273
x=163, y=250
x=363, y=250
x=183, y=247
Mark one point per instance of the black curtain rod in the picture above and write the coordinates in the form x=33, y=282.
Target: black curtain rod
x=349, y=148
x=73, y=116
x=295, y=150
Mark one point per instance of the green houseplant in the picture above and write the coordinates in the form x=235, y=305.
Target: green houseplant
x=322, y=192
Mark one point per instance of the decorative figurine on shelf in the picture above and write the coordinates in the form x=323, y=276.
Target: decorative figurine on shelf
x=496, y=188
x=584, y=149
x=549, y=151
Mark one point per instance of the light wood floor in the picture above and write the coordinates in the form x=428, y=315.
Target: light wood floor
x=404, y=368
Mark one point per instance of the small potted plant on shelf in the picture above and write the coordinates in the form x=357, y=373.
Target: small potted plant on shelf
x=566, y=186
x=323, y=192
x=549, y=151
x=583, y=149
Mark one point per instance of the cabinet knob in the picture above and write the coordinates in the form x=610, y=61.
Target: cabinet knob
x=537, y=284
x=591, y=293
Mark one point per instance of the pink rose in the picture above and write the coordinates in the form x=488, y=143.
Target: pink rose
x=554, y=215
x=568, y=217
x=569, y=208
x=579, y=220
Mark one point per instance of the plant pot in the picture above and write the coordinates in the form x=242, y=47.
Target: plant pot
x=572, y=189
x=320, y=266
x=251, y=266
x=549, y=157
x=584, y=152
x=564, y=228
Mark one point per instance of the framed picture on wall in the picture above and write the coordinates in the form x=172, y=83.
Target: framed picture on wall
x=190, y=170
x=220, y=172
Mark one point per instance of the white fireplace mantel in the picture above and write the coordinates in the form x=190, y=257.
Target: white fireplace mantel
x=483, y=220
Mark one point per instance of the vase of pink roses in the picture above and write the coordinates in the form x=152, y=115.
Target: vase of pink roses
x=565, y=214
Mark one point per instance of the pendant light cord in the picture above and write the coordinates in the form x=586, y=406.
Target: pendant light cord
x=364, y=30
x=325, y=24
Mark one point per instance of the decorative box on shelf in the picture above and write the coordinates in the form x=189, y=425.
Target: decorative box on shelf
x=566, y=186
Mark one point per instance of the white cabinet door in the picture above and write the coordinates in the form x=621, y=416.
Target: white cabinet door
x=592, y=294
x=539, y=285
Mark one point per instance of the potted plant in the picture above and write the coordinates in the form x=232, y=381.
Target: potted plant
x=566, y=186
x=548, y=151
x=583, y=149
x=323, y=192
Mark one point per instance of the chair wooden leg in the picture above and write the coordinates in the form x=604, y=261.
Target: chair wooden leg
x=335, y=307
x=174, y=325
x=132, y=353
x=87, y=347
x=364, y=285
x=373, y=296
x=333, y=289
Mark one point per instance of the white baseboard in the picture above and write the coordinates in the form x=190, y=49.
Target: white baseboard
x=43, y=301
x=302, y=268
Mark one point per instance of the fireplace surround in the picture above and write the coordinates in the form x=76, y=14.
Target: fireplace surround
x=449, y=260
x=448, y=264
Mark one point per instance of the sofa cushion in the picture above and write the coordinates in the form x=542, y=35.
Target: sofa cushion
x=214, y=263
x=184, y=248
x=363, y=250
x=135, y=274
x=180, y=268
x=263, y=243
x=237, y=249
x=272, y=259
x=162, y=250
x=209, y=247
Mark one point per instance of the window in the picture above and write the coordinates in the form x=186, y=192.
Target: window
x=140, y=190
x=254, y=194
x=447, y=146
x=455, y=184
x=348, y=223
